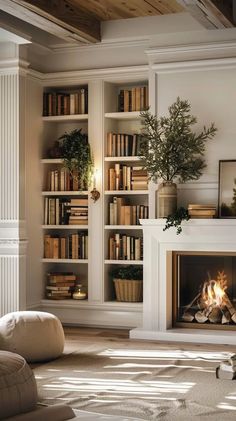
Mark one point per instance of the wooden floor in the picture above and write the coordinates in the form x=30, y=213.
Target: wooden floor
x=77, y=335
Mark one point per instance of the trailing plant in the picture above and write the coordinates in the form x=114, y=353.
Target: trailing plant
x=169, y=148
x=176, y=219
x=131, y=272
x=77, y=156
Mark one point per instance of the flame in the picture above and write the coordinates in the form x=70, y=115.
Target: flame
x=213, y=292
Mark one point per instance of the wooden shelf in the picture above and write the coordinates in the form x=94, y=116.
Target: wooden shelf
x=122, y=158
x=71, y=261
x=65, y=193
x=131, y=115
x=123, y=262
x=65, y=227
x=65, y=118
x=121, y=227
x=125, y=192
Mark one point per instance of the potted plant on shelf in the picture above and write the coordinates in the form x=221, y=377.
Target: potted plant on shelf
x=77, y=156
x=128, y=282
x=171, y=151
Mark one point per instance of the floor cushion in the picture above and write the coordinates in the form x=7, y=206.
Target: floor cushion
x=36, y=335
x=18, y=389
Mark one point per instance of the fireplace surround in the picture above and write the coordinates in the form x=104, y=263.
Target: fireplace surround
x=205, y=238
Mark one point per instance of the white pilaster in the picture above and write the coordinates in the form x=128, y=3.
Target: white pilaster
x=12, y=235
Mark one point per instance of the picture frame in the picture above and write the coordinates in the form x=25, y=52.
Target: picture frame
x=227, y=188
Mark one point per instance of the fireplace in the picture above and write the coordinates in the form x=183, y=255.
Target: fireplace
x=205, y=252
x=204, y=290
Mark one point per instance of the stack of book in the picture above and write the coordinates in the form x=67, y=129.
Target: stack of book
x=61, y=103
x=139, y=178
x=74, y=246
x=120, y=213
x=227, y=369
x=134, y=99
x=119, y=144
x=201, y=211
x=125, y=177
x=78, y=212
x=64, y=211
x=60, y=286
x=124, y=247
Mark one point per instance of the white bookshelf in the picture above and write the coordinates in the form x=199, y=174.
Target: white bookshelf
x=69, y=261
x=64, y=193
x=124, y=123
x=65, y=227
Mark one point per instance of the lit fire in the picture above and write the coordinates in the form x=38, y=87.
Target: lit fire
x=213, y=292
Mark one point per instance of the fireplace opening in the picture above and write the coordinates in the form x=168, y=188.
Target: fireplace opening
x=204, y=290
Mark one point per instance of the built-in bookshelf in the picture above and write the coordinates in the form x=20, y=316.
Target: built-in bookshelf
x=65, y=211
x=126, y=197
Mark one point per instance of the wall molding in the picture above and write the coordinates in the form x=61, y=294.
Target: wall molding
x=177, y=53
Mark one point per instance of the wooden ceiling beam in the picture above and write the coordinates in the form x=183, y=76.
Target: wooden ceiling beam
x=57, y=17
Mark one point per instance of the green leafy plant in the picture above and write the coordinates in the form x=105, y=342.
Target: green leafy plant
x=131, y=272
x=77, y=156
x=169, y=148
x=176, y=219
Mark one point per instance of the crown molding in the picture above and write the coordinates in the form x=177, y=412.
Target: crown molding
x=14, y=66
x=193, y=65
x=210, y=50
x=72, y=77
x=72, y=48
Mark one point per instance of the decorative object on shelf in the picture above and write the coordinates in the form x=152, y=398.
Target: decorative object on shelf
x=80, y=292
x=55, y=151
x=227, y=188
x=175, y=219
x=95, y=193
x=77, y=156
x=128, y=282
x=171, y=150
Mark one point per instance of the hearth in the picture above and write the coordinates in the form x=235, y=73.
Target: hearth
x=204, y=290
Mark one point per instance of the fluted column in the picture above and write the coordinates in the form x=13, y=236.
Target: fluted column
x=12, y=235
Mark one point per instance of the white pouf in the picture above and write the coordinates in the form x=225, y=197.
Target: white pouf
x=35, y=335
x=18, y=390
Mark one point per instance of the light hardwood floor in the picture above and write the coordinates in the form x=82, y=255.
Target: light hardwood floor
x=82, y=335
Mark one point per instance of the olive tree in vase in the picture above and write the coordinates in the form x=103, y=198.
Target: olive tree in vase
x=171, y=151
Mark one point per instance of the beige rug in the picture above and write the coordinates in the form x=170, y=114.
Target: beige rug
x=144, y=381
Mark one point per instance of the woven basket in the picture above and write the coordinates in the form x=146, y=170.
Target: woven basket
x=128, y=290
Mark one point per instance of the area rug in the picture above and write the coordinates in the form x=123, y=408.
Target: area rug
x=145, y=382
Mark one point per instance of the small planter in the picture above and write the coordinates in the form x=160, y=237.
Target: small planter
x=128, y=290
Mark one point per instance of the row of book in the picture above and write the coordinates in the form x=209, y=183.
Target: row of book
x=124, y=177
x=64, y=103
x=62, y=180
x=134, y=99
x=60, y=286
x=119, y=144
x=125, y=247
x=120, y=213
x=65, y=211
x=201, y=211
x=74, y=246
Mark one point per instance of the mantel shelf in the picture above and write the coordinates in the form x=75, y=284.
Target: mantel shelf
x=130, y=115
x=65, y=118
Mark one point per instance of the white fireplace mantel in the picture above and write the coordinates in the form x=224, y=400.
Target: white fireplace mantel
x=206, y=235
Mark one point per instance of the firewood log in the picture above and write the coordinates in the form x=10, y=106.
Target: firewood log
x=226, y=317
x=188, y=316
x=201, y=317
x=215, y=315
x=230, y=307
